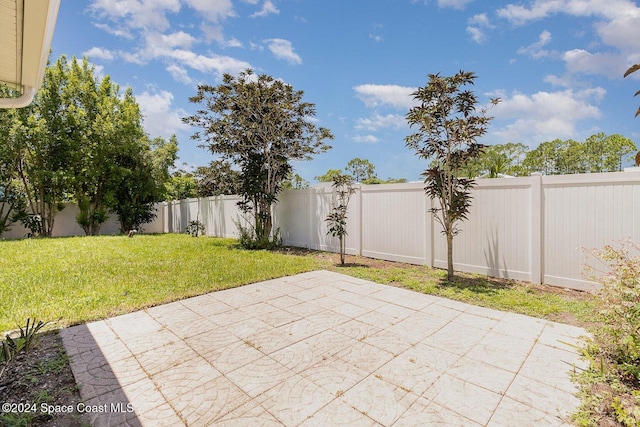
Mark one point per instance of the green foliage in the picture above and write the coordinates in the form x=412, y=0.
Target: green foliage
x=329, y=175
x=361, y=169
x=249, y=239
x=26, y=339
x=216, y=179
x=448, y=127
x=337, y=219
x=295, y=182
x=598, y=153
x=633, y=69
x=609, y=386
x=260, y=124
x=195, y=228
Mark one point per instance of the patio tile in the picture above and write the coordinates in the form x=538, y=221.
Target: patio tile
x=388, y=341
x=475, y=321
x=249, y=414
x=212, y=342
x=425, y=413
x=144, y=342
x=160, y=416
x=543, y=397
x=233, y=356
x=350, y=310
x=259, y=376
x=520, y=326
x=409, y=372
x=464, y=398
x=96, y=376
x=338, y=413
x=513, y=413
x=134, y=324
x=207, y=402
x=162, y=358
x=551, y=366
x=81, y=338
x=248, y=327
x=107, y=416
x=298, y=356
x=481, y=374
x=365, y=356
x=379, y=400
x=455, y=338
x=357, y=330
x=206, y=305
x=501, y=350
x=295, y=399
x=379, y=319
x=335, y=375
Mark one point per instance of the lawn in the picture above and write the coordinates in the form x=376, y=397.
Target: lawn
x=77, y=279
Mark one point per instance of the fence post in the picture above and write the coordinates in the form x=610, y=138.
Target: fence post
x=537, y=212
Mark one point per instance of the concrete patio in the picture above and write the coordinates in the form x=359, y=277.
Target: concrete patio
x=323, y=349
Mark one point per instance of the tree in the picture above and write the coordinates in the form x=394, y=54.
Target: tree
x=261, y=124
x=295, y=182
x=329, y=176
x=143, y=182
x=42, y=138
x=361, y=169
x=448, y=126
x=12, y=198
x=216, y=179
x=631, y=70
x=182, y=185
x=337, y=219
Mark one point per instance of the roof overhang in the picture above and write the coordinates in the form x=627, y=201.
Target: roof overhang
x=26, y=31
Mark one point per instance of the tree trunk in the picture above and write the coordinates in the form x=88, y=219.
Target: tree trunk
x=449, y=255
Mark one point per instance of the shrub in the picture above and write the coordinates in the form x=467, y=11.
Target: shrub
x=11, y=346
x=195, y=228
x=610, y=386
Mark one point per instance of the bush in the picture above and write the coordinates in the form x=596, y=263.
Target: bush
x=195, y=228
x=610, y=386
x=249, y=240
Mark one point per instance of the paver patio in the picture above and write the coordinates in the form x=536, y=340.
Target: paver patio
x=322, y=349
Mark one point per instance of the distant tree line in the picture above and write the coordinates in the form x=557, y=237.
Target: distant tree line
x=598, y=153
x=359, y=170
x=81, y=141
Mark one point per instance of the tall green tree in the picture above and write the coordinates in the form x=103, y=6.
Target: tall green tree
x=217, y=178
x=329, y=175
x=361, y=169
x=43, y=138
x=143, y=182
x=448, y=126
x=261, y=124
x=12, y=198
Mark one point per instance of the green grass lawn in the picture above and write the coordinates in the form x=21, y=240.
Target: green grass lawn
x=77, y=279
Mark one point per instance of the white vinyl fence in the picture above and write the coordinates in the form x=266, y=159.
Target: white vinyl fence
x=538, y=229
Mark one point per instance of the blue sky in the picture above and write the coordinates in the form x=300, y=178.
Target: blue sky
x=556, y=64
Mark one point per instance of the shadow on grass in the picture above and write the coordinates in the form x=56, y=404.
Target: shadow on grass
x=350, y=264
x=477, y=285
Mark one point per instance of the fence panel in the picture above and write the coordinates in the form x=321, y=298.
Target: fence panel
x=537, y=228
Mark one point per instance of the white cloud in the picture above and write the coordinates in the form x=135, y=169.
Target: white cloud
x=99, y=53
x=608, y=64
x=477, y=24
x=159, y=118
x=378, y=121
x=179, y=74
x=159, y=41
x=477, y=35
x=214, y=11
x=544, y=115
x=367, y=139
x=268, y=8
x=456, y=4
x=137, y=13
x=393, y=95
x=219, y=64
x=282, y=49
x=535, y=50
